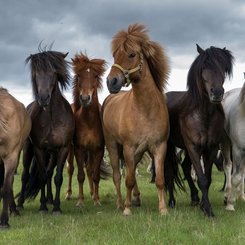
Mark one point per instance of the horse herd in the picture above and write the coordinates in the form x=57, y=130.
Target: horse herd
x=200, y=121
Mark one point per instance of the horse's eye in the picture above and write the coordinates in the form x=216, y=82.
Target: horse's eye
x=131, y=55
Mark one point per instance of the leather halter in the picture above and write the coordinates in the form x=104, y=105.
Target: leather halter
x=126, y=73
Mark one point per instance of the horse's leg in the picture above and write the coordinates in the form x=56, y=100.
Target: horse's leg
x=159, y=155
x=80, y=156
x=227, y=165
x=10, y=164
x=26, y=159
x=50, y=171
x=58, y=178
x=41, y=158
x=241, y=187
x=202, y=180
x=186, y=166
x=89, y=169
x=236, y=177
x=96, y=159
x=70, y=171
x=114, y=160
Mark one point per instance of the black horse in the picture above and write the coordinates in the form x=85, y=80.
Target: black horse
x=197, y=120
x=52, y=128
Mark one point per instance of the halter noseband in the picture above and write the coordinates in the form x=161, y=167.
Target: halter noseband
x=126, y=73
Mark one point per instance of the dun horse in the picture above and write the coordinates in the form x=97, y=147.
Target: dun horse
x=234, y=145
x=136, y=121
x=88, y=137
x=197, y=119
x=52, y=127
x=15, y=126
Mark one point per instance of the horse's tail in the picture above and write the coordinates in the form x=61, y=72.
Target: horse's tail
x=34, y=184
x=2, y=172
x=171, y=169
x=105, y=170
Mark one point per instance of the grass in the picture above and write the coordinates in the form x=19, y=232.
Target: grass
x=106, y=225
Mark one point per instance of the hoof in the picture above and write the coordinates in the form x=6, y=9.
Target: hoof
x=230, y=207
x=68, y=196
x=163, y=211
x=127, y=212
x=171, y=203
x=56, y=212
x=97, y=203
x=43, y=211
x=136, y=201
x=80, y=204
x=15, y=213
x=242, y=197
x=4, y=226
x=20, y=207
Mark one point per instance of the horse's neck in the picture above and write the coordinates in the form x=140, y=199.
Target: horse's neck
x=145, y=92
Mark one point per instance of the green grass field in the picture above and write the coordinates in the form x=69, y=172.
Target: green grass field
x=106, y=225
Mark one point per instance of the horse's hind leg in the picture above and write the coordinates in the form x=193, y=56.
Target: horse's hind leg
x=80, y=158
x=7, y=190
x=70, y=171
x=186, y=166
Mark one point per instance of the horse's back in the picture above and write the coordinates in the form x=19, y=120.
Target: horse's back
x=15, y=123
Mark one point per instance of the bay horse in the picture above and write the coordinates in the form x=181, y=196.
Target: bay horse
x=88, y=141
x=52, y=128
x=15, y=126
x=136, y=121
x=234, y=145
x=197, y=119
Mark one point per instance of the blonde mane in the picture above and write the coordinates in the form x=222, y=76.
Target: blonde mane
x=137, y=39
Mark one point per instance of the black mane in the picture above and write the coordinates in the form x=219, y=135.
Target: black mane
x=50, y=61
x=213, y=58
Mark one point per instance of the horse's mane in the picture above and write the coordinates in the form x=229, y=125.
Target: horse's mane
x=215, y=58
x=50, y=61
x=137, y=39
x=81, y=62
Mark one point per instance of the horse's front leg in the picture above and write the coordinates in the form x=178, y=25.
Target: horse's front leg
x=159, y=154
x=58, y=178
x=201, y=179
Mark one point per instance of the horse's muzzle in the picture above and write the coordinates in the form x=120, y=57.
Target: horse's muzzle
x=114, y=85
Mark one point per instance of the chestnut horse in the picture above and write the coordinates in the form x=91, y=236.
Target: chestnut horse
x=136, y=121
x=197, y=119
x=15, y=126
x=88, y=139
x=52, y=128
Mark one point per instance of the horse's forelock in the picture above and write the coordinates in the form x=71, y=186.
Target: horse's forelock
x=137, y=39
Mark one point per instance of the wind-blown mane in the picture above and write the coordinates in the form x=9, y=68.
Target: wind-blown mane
x=49, y=61
x=137, y=39
x=212, y=58
x=82, y=63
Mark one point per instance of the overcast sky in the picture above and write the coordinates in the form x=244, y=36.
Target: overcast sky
x=89, y=25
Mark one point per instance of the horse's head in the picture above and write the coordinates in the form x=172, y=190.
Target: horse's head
x=47, y=69
x=209, y=70
x=88, y=78
x=127, y=68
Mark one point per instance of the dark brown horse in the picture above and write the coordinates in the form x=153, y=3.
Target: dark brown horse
x=88, y=137
x=136, y=121
x=52, y=127
x=197, y=119
x=15, y=126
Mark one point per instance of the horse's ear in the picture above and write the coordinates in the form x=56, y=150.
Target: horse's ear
x=224, y=48
x=73, y=60
x=199, y=49
x=64, y=55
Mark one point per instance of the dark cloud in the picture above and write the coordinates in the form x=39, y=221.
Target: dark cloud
x=90, y=25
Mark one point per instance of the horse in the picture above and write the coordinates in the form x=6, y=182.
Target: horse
x=88, y=139
x=136, y=121
x=233, y=146
x=52, y=128
x=197, y=119
x=15, y=126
